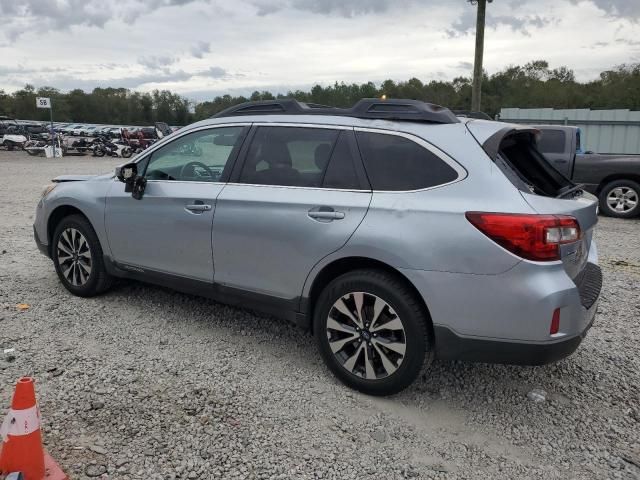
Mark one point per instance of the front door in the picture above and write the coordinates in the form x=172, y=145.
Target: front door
x=169, y=229
x=299, y=196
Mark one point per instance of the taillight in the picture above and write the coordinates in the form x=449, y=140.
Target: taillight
x=534, y=237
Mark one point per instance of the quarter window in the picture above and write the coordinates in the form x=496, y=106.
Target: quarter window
x=196, y=157
x=289, y=156
x=396, y=163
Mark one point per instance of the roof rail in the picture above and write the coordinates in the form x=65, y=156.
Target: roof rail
x=370, y=108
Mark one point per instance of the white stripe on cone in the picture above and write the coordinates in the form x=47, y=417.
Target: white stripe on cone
x=20, y=422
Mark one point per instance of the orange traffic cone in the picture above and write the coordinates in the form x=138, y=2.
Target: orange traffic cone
x=21, y=439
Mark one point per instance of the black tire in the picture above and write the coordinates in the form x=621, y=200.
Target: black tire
x=417, y=334
x=99, y=152
x=9, y=146
x=630, y=189
x=98, y=280
x=126, y=152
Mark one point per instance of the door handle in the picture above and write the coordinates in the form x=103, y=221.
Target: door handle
x=198, y=207
x=326, y=215
x=560, y=161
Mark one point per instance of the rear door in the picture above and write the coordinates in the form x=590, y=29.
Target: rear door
x=298, y=196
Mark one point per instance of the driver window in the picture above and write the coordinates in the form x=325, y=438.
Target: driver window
x=196, y=157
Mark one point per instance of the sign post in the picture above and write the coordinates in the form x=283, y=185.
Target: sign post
x=45, y=102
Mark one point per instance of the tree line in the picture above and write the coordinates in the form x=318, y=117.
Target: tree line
x=533, y=85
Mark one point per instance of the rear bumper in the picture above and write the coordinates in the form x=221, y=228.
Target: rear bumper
x=506, y=318
x=450, y=346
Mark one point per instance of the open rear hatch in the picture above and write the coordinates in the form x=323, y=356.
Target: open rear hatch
x=513, y=149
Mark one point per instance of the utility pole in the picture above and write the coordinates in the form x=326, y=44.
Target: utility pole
x=476, y=90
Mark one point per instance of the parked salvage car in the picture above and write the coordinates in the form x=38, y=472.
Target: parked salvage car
x=394, y=231
x=615, y=179
x=12, y=135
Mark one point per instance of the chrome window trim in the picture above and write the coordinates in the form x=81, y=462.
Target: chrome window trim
x=459, y=169
x=295, y=187
x=186, y=181
x=322, y=126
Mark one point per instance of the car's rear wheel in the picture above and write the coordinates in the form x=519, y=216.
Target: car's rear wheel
x=77, y=256
x=621, y=199
x=373, y=332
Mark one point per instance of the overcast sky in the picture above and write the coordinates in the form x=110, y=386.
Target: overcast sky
x=202, y=48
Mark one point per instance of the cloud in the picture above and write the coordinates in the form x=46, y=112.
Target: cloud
x=200, y=48
x=628, y=41
x=22, y=70
x=627, y=9
x=213, y=72
x=70, y=81
x=184, y=44
x=466, y=24
x=464, y=66
x=155, y=62
x=60, y=15
x=344, y=8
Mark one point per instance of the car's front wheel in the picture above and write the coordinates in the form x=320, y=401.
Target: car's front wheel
x=373, y=332
x=77, y=256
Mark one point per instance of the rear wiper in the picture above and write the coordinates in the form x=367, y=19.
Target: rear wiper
x=577, y=187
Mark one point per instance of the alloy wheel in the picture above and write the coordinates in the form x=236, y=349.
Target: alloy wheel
x=622, y=199
x=366, y=336
x=74, y=257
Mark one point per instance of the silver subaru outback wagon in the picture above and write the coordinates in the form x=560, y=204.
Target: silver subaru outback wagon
x=394, y=231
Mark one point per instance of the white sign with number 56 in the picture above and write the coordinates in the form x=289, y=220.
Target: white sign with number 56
x=43, y=102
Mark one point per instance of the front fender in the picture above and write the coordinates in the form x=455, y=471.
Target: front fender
x=86, y=197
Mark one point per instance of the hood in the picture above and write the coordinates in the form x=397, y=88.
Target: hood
x=81, y=178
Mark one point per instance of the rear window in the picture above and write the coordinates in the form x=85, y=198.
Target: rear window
x=552, y=141
x=521, y=161
x=395, y=163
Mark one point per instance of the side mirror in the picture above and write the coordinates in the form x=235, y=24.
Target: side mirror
x=127, y=173
x=134, y=184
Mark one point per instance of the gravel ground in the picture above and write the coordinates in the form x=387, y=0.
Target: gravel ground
x=147, y=383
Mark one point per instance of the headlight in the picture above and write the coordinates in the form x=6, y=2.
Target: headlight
x=47, y=190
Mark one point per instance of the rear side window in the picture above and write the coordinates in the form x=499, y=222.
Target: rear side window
x=552, y=141
x=289, y=156
x=396, y=163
